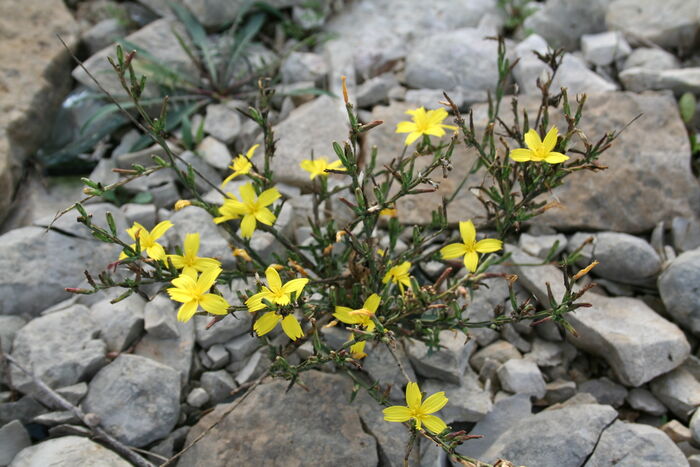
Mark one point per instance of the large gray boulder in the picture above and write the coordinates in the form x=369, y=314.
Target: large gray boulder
x=563, y=22
x=272, y=427
x=137, y=399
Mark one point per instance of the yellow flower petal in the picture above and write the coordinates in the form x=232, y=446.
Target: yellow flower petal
x=471, y=261
x=252, y=149
x=179, y=295
x=434, y=424
x=269, y=196
x=555, y=158
x=413, y=396
x=187, y=311
x=266, y=323
x=397, y=413
x=247, y=193
x=521, y=155
x=255, y=302
x=433, y=403
x=214, y=304
x=412, y=137
x=488, y=245
x=357, y=350
x=550, y=139
x=265, y=216
x=468, y=232
x=292, y=328
x=248, y=226
x=156, y=252
x=191, y=244
x=273, y=278
x=532, y=140
x=405, y=127
x=453, y=250
x=372, y=303
x=344, y=314
x=207, y=279
x=295, y=285
x=160, y=229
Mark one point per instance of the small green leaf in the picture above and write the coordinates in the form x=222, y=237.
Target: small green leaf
x=686, y=106
x=142, y=198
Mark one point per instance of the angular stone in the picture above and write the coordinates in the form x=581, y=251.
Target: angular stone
x=652, y=58
x=448, y=362
x=383, y=369
x=376, y=90
x=68, y=450
x=604, y=48
x=500, y=351
x=547, y=354
x=637, y=342
x=158, y=38
x=223, y=331
x=188, y=158
x=241, y=347
x=121, y=323
x=271, y=417
x=675, y=430
x=685, y=234
x=214, y=152
x=56, y=418
x=24, y=410
x=73, y=394
x=632, y=444
x=559, y=391
x=137, y=399
x=529, y=68
x=679, y=291
x=36, y=266
x=9, y=325
x=218, y=355
x=522, y=376
x=548, y=438
x=197, y=397
x=13, y=438
x=177, y=353
x=144, y=214
x=563, y=22
x=605, y=391
x=303, y=66
x=694, y=426
x=60, y=348
x=679, y=391
x=541, y=245
x=172, y=443
x=223, y=121
x=670, y=24
x=218, y=384
x=468, y=401
x=574, y=75
x=160, y=320
x=310, y=128
x=643, y=400
x=679, y=81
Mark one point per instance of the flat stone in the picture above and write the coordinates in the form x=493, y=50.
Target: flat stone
x=144, y=214
x=303, y=66
x=559, y=391
x=605, y=391
x=383, y=369
x=177, y=352
x=223, y=122
x=574, y=75
x=685, y=234
x=652, y=58
x=500, y=351
x=60, y=348
x=529, y=68
x=56, y=418
x=30, y=258
x=604, y=48
x=679, y=81
x=671, y=24
x=223, y=331
x=676, y=431
x=522, y=376
x=694, y=426
x=172, y=443
x=632, y=444
x=218, y=355
x=271, y=417
x=241, y=347
x=9, y=325
x=310, y=128
x=214, y=152
x=160, y=320
x=13, y=438
x=68, y=450
x=121, y=323
x=563, y=22
x=198, y=163
x=468, y=401
x=218, y=384
x=679, y=291
x=678, y=391
x=197, y=397
x=448, y=362
x=637, y=343
x=541, y=245
x=24, y=410
x=643, y=400
x=73, y=394
x=547, y=354
x=137, y=399
x=375, y=90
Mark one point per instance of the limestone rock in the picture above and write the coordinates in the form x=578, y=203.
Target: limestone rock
x=679, y=81
x=522, y=376
x=68, y=450
x=120, y=323
x=604, y=48
x=448, y=362
x=13, y=438
x=563, y=22
x=679, y=291
x=679, y=391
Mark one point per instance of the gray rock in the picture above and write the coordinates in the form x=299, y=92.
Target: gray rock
x=73, y=394
x=694, y=426
x=448, y=362
x=563, y=22
x=271, y=418
x=605, y=391
x=643, y=400
x=529, y=68
x=145, y=157
x=9, y=325
x=671, y=24
x=137, y=399
x=500, y=351
x=547, y=354
x=120, y=323
x=303, y=66
x=574, y=75
x=218, y=355
x=144, y=214
x=375, y=90
x=214, y=153
x=632, y=444
x=68, y=450
x=212, y=240
x=172, y=443
x=678, y=391
x=56, y=418
x=223, y=331
x=310, y=128
x=61, y=349
x=559, y=391
x=562, y=437
x=685, y=234
x=679, y=81
x=158, y=38
x=29, y=260
x=103, y=34
x=694, y=460
x=160, y=319
x=241, y=347
x=23, y=410
x=468, y=401
x=13, y=438
x=679, y=291
x=177, y=353
x=495, y=423
x=522, y=376
x=188, y=158
x=218, y=384
x=222, y=121
x=604, y=48
x=447, y=60
x=254, y=367
x=637, y=343
x=653, y=58
x=383, y=369
x=675, y=430
x=541, y=245
x=197, y=397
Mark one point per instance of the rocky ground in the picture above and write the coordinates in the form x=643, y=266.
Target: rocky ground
x=624, y=392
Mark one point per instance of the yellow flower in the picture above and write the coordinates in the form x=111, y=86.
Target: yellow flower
x=252, y=208
x=362, y=316
x=241, y=165
x=181, y=204
x=192, y=292
x=275, y=292
x=189, y=262
x=147, y=240
x=318, y=167
x=399, y=275
x=418, y=411
x=241, y=253
x=539, y=150
x=389, y=212
x=269, y=320
x=470, y=248
x=424, y=123
x=357, y=350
